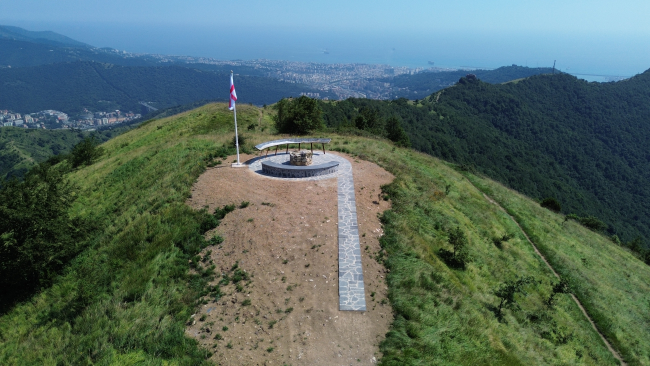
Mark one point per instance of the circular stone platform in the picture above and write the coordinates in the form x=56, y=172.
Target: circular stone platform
x=299, y=171
x=344, y=166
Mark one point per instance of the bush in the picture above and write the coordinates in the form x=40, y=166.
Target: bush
x=242, y=140
x=220, y=213
x=85, y=152
x=551, y=204
x=460, y=255
x=506, y=294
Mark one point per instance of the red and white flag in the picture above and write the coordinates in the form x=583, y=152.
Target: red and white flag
x=233, y=95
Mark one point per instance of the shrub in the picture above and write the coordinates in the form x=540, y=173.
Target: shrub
x=242, y=140
x=551, y=204
x=220, y=213
x=85, y=152
x=561, y=287
x=459, y=257
x=590, y=222
x=506, y=294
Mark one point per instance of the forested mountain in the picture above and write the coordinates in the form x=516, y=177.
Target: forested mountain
x=43, y=37
x=585, y=144
x=420, y=85
x=15, y=53
x=71, y=87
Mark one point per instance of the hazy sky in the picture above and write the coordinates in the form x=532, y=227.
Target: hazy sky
x=594, y=36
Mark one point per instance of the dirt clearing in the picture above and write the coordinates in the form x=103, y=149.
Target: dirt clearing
x=281, y=255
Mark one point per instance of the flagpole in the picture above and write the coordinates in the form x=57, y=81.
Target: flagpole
x=234, y=109
x=236, y=135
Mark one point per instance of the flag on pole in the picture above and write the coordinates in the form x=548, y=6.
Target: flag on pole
x=233, y=95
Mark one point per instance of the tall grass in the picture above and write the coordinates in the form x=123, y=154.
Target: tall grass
x=126, y=299
x=611, y=283
x=446, y=316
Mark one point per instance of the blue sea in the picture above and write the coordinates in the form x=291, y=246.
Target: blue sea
x=589, y=56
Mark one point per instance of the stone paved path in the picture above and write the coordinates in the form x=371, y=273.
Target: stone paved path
x=351, y=286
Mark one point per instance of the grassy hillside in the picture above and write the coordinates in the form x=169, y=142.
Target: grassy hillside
x=126, y=297
x=21, y=149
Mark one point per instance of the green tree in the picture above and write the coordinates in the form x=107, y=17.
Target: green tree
x=552, y=204
x=460, y=256
x=298, y=116
x=561, y=287
x=37, y=235
x=85, y=152
x=367, y=119
x=507, y=291
x=396, y=133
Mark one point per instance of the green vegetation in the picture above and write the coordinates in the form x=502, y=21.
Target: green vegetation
x=506, y=294
x=609, y=281
x=298, y=116
x=105, y=86
x=129, y=292
x=85, y=152
x=584, y=144
x=21, y=149
x=136, y=282
x=446, y=315
x=37, y=235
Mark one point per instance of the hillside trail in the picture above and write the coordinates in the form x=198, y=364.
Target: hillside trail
x=575, y=299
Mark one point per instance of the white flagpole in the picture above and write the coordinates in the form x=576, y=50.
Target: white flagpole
x=234, y=109
x=236, y=136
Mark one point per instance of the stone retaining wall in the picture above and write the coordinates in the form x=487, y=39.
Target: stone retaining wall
x=290, y=171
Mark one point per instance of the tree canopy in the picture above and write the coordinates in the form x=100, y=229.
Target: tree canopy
x=298, y=116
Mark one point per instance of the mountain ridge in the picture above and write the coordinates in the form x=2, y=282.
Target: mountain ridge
x=43, y=37
x=547, y=136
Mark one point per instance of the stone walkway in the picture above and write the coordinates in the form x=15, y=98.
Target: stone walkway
x=351, y=286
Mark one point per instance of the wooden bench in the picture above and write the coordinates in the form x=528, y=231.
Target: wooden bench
x=299, y=141
x=295, y=171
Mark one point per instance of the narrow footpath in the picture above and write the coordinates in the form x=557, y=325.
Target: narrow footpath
x=582, y=308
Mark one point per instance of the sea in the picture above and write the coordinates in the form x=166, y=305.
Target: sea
x=594, y=57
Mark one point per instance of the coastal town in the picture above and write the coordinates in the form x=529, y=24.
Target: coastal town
x=52, y=119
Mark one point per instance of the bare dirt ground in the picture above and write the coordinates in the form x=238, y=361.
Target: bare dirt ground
x=286, y=241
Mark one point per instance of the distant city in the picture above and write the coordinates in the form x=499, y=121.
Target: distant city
x=52, y=120
x=345, y=80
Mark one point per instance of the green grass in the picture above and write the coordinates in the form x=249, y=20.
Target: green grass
x=444, y=316
x=610, y=282
x=126, y=299
x=130, y=294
